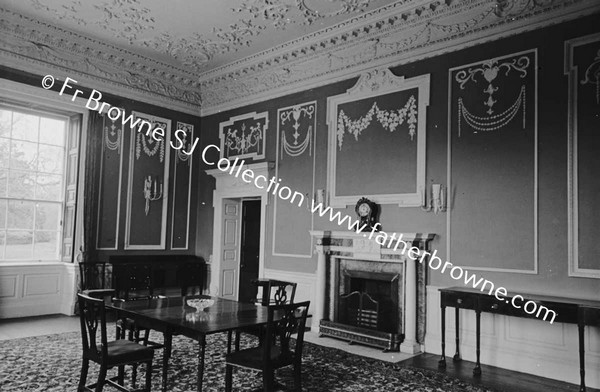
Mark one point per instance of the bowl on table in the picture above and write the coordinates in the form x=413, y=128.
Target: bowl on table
x=200, y=303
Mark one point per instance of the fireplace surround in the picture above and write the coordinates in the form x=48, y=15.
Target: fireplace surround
x=343, y=256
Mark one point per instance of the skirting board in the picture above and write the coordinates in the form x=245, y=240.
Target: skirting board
x=37, y=289
x=524, y=345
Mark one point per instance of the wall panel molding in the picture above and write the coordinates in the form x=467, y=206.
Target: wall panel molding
x=579, y=75
x=295, y=164
x=37, y=289
x=186, y=163
x=154, y=161
x=112, y=142
x=493, y=125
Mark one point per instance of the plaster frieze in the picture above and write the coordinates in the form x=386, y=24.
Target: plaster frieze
x=41, y=48
x=401, y=32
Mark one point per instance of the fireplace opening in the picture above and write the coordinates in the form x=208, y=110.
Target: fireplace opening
x=369, y=300
x=369, y=303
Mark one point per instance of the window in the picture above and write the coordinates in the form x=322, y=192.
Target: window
x=33, y=147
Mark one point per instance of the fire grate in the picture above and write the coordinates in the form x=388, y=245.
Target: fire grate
x=362, y=310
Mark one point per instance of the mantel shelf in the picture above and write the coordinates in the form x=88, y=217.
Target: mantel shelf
x=351, y=234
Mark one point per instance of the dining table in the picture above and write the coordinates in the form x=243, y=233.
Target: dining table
x=173, y=316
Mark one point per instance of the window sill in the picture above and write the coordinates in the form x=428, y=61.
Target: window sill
x=31, y=263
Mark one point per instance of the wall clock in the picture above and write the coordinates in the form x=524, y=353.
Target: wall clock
x=367, y=213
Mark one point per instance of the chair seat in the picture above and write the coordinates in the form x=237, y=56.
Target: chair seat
x=125, y=351
x=252, y=358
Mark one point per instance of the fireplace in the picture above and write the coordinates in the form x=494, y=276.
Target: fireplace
x=369, y=300
x=367, y=304
x=370, y=294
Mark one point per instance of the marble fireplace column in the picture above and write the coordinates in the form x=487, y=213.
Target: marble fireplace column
x=410, y=344
x=319, y=309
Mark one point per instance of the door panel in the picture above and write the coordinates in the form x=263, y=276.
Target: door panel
x=250, y=249
x=230, y=247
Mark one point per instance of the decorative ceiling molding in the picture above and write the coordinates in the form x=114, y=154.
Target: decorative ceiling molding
x=41, y=48
x=394, y=34
x=398, y=33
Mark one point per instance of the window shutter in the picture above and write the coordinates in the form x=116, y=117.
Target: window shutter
x=71, y=171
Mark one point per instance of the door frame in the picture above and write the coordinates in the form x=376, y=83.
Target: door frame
x=228, y=186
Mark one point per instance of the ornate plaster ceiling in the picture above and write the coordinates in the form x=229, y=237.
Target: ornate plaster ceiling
x=194, y=35
x=221, y=54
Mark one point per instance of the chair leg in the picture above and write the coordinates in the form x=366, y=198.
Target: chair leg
x=133, y=375
x=83, y=377
x=237, y=341
x=269, y=381
x=298, y=377
x=228, y=377
x=148, y=376
x=121, y=375
x=101, y=378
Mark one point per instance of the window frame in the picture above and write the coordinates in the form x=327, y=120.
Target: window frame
x=27, y=98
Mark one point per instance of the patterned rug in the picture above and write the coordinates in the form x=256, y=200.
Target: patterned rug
x=52, y=363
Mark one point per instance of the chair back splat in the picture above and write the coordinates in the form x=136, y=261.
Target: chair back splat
x=279, y=332
x=276, y=292
x=92, y=315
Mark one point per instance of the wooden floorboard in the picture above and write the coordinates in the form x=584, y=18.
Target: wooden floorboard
x=493, y=377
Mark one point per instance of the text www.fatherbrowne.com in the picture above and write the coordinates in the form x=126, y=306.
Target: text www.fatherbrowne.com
x=273, y=186
x=391, y=241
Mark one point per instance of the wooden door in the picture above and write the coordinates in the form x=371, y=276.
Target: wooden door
x=230, y=256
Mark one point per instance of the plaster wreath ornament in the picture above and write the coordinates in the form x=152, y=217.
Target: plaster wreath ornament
x=389, y=120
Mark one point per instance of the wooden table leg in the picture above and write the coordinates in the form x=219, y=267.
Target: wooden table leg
x=477, y=369
x=202, y=344
x=229, y=341
x=442, y=361
x=168, y=339
x=581, y=327
x=456, y=357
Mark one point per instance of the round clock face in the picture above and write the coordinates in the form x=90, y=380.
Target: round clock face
x=364, y=209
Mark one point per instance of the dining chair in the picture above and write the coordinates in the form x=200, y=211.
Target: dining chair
x=133, y=282
x=278, y=349
x=273, y=292
x=108, y=354
x=93, y=275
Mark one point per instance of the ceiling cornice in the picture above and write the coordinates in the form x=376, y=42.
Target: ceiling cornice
x=41, y=48
x=401, y=32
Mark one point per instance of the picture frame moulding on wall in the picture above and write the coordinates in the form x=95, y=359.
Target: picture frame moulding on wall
x=383, y=106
